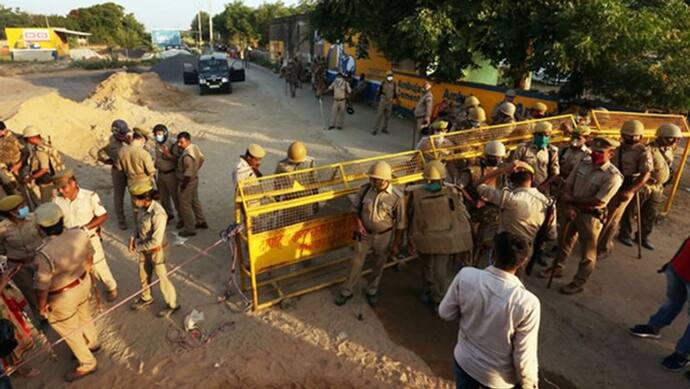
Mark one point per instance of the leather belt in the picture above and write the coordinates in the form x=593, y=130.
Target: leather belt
x=68, y=286
x=167, y=171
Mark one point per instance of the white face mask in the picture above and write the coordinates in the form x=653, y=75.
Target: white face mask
x=389, y=78
x=160, y=138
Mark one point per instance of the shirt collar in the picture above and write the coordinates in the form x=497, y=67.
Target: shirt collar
x=504, y=275
x=149, y=209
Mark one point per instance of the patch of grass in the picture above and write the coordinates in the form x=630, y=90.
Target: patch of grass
x=99, y=64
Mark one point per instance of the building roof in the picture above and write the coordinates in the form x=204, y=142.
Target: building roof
x=70, y=32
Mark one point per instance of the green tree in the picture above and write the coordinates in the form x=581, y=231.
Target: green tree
x=108, y=24
x=264, y=14
x=194, y=25
x=236, y=23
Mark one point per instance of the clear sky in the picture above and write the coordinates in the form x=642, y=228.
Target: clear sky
x=153, y=13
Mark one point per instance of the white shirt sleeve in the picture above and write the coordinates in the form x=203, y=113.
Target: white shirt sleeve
x=525, y=343
x=449, y=309
x=97, y=205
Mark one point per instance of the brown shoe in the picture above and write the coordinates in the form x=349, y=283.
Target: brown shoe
x=201, y=226
x=111, y=295
x=546, y=273
x=78, y=374
x=572, y=288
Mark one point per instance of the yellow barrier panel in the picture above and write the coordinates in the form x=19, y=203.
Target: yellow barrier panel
x=610, y=122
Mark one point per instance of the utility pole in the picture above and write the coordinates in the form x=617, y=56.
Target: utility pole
x=210, y=25
x=198, y=19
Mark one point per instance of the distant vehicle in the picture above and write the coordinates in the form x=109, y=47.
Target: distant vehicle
x=213, y=72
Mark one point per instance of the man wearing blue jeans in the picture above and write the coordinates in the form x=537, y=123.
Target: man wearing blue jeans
x=677, y=293
x=498, y=321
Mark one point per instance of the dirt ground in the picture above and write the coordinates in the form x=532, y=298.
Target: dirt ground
x=583, y=340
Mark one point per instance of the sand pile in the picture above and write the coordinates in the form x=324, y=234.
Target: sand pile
x=145, y=89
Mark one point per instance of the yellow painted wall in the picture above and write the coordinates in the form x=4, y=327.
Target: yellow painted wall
x=15, y=39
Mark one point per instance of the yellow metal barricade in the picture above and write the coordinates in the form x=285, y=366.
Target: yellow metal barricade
x=609, y=123
x=302, y=216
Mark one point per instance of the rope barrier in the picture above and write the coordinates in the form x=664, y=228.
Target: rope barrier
x=50, y=346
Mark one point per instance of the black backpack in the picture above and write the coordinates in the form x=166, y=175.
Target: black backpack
x=8, y=342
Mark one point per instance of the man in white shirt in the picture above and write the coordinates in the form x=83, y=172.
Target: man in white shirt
x=499, y=321
x=83, y=209
x=248, y=165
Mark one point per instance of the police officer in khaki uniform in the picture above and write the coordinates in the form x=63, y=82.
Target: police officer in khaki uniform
x=388, y=94
x=570, y=154
x=109, y=155
x=82, y=208
x=423, y=111
x=652, y=194
x=537, y=111
x=63, y=287
x=297, y=159
x=505, y=114
x=380, y=215
x=476, y=117
x=11, y=156
x=19, y=240
x=587, y=191
x=341, y=90
x=149, y=243
x=542, y=156
x=634, y=161
x=483, y=213
x=39, y=166
x=188, y=165
x=248, y=165
x=468, y=104
x=439, y=230
x=509, y=97
x=167, y=154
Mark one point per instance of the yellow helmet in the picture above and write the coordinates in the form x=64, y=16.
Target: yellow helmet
x=542, y=128
x=540, y=107
x=10, y=202
x=582, y=130
x=256, y=151
x=511, y=93
x=669, y=130
x=434, y=171
x=389, y=73
x=633, y=128
x=297, y=152
x=507, y=108
x=495, y=148
x=477, y=114
x=439, y=125
x=470, y=101
x=48, y=214
x=381, y=170
x=31, y=131
x=140, y=188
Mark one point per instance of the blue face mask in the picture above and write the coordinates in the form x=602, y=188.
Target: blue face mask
x=160, y=138
x=23, y=212
x=541, y=141
x=432, y=186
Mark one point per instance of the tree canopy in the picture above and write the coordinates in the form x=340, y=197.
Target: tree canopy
x=634, y=52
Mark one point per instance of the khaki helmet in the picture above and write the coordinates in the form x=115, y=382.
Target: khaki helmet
x=540, y=107
x=632, y=128
x=511, y=93
x=381, y=170
x=478, y=114
x=439, y=125
x=470, y=101
x=434, y=171
x=601, y=143
x=507, y=108
x=582, y=130
x=297, y=152
x=669, y=130
x=542, y=128
x=256, y=151
x=140, y=188
x=495, y=148
x=389, y=73
x=10, y=202
x=31, y=131
x=48, y=214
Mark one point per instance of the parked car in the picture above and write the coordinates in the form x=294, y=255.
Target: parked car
x=213, y=72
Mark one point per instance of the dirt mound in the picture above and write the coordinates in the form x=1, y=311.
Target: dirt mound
x=170, y=69
x=145, y=89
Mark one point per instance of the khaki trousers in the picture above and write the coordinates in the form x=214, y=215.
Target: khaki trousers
x=616, y=209
x=380, y=244
x=24, y=281
x=383, y=115
x=417, y=132
x=439, y=270
x=167, y=188
x=338, y=113
x=70, y=311
x=651, y=200
x=100, y=268
x=155, y=263
x=586, y=228
x=119, y=186
x=190, y=207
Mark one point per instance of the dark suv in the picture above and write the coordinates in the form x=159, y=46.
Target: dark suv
x=213, y=73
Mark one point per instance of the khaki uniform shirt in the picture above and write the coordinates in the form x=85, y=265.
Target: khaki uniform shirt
x=136, y=162
x=388, y=91
x=424, y=106
x=523, y=210
x=662, y=160
x=38, y=160
x=20, y=240
x=62, y=259
x=588, y=180
x=632, y=160
x=80, y=211
x=151, y=227
x=190, y=162
x=166, y=164
x=10, y=149
x=111, y=152
x=570, y=156
x=340, y=89
x=285, y=166
x=381, y=211
x=540, y=159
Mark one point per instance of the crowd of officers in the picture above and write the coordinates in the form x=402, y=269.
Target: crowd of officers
x=50, y=227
